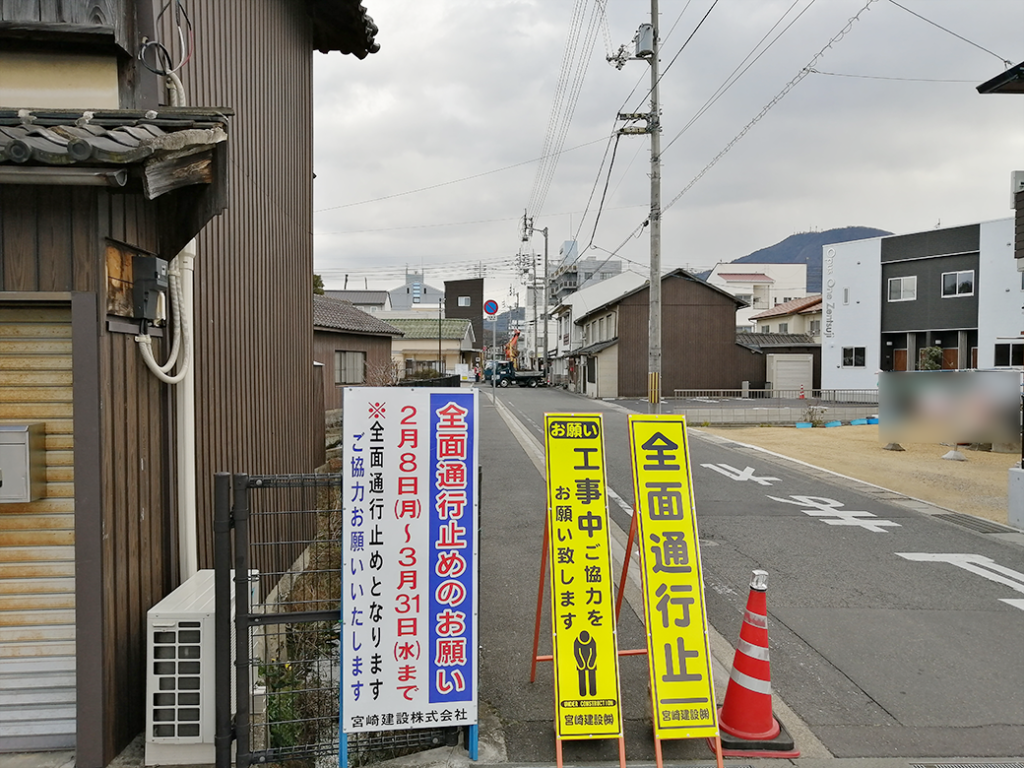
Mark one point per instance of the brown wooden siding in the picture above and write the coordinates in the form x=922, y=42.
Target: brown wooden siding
x=254, y=267
x=140, y=566
x=325, y=343
x=257, y=411
x=53, y=239
x=752, y=367
x=698, y=340
x=67, y=16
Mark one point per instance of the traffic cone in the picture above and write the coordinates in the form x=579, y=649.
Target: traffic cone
x=745, y=718
x=801, y=392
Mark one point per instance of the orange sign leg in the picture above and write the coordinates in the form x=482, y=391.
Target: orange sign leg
x=540, y=602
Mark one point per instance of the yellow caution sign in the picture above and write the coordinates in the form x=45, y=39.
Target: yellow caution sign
x=587, y=703
x=678, y=650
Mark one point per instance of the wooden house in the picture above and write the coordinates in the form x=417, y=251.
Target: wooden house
x=699, y=349
x=353, y=346
x=106, y=176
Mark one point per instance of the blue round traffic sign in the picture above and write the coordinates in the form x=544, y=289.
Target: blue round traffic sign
x=491, y=307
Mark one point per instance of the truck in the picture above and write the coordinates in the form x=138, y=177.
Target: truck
x=504, y=374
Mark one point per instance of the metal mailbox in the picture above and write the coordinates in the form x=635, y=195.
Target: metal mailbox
x=22, y=463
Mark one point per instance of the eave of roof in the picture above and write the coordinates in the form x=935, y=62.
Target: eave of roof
x=776, y=340
x=1010, y=81
x=802, y=305
x=593, y=349
x=745, y=277
x=173, y=146
x=344, y=26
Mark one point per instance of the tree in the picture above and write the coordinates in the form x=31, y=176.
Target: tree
x=931, y=358
x=318, y=285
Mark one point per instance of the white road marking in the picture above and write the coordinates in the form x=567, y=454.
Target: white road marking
x=619, y=500
x=977, y=564
x=741, y=475
x=821, y=507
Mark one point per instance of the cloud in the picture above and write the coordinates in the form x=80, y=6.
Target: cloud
x=465, y=87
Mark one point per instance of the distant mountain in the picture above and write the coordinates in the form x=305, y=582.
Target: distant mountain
x=805, y=248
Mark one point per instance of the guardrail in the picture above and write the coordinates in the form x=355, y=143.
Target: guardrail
x=864, y=396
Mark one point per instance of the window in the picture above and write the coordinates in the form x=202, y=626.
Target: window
x=846, y=295
x=349, y=367
x=958, y=283
x=464, y=301
x=815, y=327
x=903, y=288
x=783, y=327
x=765, y=329
x=1009, y=354
x=853, y=357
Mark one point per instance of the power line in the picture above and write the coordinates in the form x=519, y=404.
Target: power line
x=570, y=83
x=900, y=79
x=779, y=97
x=417, y=226
x=679, y=18
x=733, y=78
x=1006, y=62
x=457, y=181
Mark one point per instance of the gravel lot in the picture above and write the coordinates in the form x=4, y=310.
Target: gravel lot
x=977, y=486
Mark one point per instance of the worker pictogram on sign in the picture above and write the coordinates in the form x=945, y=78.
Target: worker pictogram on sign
x=587, y=701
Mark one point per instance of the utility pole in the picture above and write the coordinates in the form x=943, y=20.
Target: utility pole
x=646, y=42
x=654, y=353
x=528, y=230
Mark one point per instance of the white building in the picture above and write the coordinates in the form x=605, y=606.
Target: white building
x=762, y=286
x=886, y=299
x=569, y=337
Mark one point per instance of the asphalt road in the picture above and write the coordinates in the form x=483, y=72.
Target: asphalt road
x=893, y=633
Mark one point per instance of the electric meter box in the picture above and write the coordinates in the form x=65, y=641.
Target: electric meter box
x=22, y=463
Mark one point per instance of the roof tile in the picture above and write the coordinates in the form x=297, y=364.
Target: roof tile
x=341, y=316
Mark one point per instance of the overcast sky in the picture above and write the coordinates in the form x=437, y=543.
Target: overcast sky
x=427, y=152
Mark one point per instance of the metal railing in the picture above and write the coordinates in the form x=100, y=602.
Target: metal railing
x=281, y=536
x=858, y=396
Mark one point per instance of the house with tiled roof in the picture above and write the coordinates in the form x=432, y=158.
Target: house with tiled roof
x=156, y=269
x=352, y=346
x=795, y=316
x=427, y=340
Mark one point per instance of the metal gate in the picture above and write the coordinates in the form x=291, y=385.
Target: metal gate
x=277, y=545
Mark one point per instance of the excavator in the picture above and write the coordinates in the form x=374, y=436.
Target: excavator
x=512, y=348
x=505, y=372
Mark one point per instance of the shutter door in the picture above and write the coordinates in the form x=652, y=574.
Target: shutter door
x=792, y=372
x=37, y=539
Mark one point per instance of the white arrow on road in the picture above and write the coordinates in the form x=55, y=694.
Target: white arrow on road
x=741, y=475
x=978, y=564
x=821, y=507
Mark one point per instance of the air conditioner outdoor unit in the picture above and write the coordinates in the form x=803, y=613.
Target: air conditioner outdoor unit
x=180, y=696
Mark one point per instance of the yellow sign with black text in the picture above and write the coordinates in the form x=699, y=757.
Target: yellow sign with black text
x=586, y=659
x=678, y=648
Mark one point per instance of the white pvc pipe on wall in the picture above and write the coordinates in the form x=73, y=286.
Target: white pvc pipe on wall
x=185, y=414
